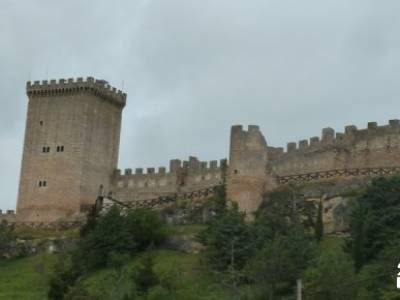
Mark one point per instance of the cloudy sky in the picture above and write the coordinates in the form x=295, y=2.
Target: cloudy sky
x=192, y=68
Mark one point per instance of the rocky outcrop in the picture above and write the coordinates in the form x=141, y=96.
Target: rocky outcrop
x=336, y=198
x=22, y=247
x=184, y=243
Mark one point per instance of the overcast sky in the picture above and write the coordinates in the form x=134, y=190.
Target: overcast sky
x=194, y=68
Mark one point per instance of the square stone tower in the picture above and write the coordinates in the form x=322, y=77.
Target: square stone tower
x=248, y=178
x=71, y=147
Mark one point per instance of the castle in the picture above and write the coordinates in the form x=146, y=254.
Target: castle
x=72, y=142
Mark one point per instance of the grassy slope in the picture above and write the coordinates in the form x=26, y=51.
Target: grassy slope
x=26, y=278
x=192, y=281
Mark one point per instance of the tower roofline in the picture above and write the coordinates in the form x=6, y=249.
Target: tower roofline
x=72, y=86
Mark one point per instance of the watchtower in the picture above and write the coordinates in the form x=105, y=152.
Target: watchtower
x=71, y=146
x=248, y=178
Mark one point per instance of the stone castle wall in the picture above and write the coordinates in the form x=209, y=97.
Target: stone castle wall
x=256, y=168
x=373, y=147
x=186, y=177
x=83, y=117
x=8, y=215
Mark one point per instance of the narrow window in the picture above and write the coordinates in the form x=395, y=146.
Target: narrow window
x=41, y=123
x=40, y=183
x=48, y=149
x=44, y=149
x=60, y=148
x=45, y=183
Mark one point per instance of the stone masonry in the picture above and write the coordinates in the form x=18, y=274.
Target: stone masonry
x=72, y=142
x=71, y=146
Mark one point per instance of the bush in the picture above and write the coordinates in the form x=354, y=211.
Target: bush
x=229, y=240
x=64, y=277
x=119, y=233
x=331, y=277
x=375, y=220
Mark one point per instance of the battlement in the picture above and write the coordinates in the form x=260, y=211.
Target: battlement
x=329, y=137
x=8, y=212
x=8, y=216
x=72, y=86
x=370, y=147
x=182, y=176
x=192, y=165
x=241, y=129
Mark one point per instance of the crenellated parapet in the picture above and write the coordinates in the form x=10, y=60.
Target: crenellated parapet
x=373, y=146
x=182, y=176
x=73, y=86
x=8, y=215
x=350, y=136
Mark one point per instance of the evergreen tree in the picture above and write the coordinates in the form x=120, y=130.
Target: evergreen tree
x=332, y=277
x=144, y=276
x=358, y=236
x=319, y=224
x=375, y=220
x=229, y=230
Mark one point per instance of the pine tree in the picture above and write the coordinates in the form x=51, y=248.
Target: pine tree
x=319, y=225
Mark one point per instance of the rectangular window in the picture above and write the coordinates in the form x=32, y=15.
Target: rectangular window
x=42, y=183
x=46, y=149
x=60, y=148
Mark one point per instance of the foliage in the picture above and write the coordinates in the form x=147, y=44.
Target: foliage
x=282, y=208
x=229, y=239
x=120, y=233
x=319, y=225
x=358, y=237
x=331, y=277
x=376, y=219
x=144, y=276
x=280, y=262
x=375, y=238
x=63, y=278
x=91, y=221
x=378, y=279
x=146, y=227
x=109, y=235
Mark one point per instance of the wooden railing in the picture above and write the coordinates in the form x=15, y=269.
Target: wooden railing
x=161, y=201
x=360, y=172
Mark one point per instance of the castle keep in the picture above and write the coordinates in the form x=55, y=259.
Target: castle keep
x=71, y=146
x=71, y=152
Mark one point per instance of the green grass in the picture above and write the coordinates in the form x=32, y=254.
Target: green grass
x=26, y=278
x=192, y=280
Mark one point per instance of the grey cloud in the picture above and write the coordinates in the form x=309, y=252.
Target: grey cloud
x=193, y=68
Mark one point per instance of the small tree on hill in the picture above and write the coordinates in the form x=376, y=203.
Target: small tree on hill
x=144, y=276
x=228, y=231
x=319, y=224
